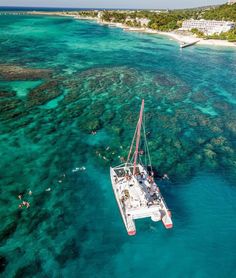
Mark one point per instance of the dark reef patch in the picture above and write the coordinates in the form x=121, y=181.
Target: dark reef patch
x=3, y=263
x=30, y=270
x=43, y=93
x=14, y=72
x=69, y=251
x=7, y=232
x=7, y=94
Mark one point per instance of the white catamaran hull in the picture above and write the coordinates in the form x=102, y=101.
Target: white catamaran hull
x=135, y=203
x=129, y=225
x=136, y=192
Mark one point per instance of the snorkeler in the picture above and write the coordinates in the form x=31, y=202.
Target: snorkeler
x=24, y=203
x=165, y=177
x=20, y=196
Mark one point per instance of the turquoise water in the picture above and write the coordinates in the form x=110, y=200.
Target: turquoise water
x=61, y=79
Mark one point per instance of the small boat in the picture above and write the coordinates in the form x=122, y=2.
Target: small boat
x=135, y=190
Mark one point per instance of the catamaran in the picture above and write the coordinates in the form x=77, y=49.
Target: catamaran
x=136, y=192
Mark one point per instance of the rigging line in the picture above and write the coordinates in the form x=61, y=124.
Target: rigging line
x=145, y=155
x=145, y=147
x=131, y=146
x=141, y=162
x=138, y=136
x=132, y=159
x=146, y=144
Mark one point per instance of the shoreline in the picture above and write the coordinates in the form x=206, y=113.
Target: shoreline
x=173, y=35
x=188, y=39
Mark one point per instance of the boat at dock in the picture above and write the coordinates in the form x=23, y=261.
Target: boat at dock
x=136, y=193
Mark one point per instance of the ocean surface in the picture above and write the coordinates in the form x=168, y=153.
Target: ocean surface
x=63, y=79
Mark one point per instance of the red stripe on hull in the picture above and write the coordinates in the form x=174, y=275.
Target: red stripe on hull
x=131, y=233
x=169, y=226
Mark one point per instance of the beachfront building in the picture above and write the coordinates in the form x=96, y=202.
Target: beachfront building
x=99, y=16
x=159, y=11
x=142, y=21
x=208, y=27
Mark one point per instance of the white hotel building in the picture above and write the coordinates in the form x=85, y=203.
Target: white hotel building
x=208, y=27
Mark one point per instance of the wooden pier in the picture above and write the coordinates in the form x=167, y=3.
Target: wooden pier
x=185, y=44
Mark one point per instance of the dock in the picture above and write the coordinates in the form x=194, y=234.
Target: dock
x=186, y=44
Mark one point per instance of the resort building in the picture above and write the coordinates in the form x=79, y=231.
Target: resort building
x=208, y=27
x=141, y=21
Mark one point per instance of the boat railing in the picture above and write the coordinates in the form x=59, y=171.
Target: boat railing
x=123, y=165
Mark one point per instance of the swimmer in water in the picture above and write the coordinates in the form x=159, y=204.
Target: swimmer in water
x=165, y=177
x=20, y=196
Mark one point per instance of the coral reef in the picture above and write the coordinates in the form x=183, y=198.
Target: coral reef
x=77, y=118
x=14, y=72
x=43, y=93
x=3, y=263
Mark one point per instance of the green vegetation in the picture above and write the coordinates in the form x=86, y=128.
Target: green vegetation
x=163, y=21
x=166, y=21
x=229, y=36
x=113, y=16
x=223, y=12
x=87, y=13
x=171, y=20
x=198, y=33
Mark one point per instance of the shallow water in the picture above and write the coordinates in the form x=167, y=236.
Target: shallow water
x=61, y=79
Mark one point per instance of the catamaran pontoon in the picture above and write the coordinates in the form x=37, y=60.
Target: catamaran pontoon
x=134, y=187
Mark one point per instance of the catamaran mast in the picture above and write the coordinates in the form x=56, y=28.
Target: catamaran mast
x=138, y=136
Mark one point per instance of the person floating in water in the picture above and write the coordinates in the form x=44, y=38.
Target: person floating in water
x=165, y=177
x=158, y=176
x=24, y=203
x=20, y=196
x=141, y=152
x=27, y=204
x=122, y=159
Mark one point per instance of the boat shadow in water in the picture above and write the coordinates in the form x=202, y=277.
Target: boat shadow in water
x=171, y=192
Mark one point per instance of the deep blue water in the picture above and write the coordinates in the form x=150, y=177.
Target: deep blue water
x=61, y=79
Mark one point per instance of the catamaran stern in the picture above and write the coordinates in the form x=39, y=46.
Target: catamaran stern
x=166, y=220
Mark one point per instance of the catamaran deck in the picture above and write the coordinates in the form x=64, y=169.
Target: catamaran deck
x=138, y=195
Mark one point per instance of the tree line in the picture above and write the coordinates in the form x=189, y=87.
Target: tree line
x=170, y=20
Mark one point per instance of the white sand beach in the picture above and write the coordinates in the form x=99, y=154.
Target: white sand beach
x=174, y=35
x=178, y=37
x=189, y=39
